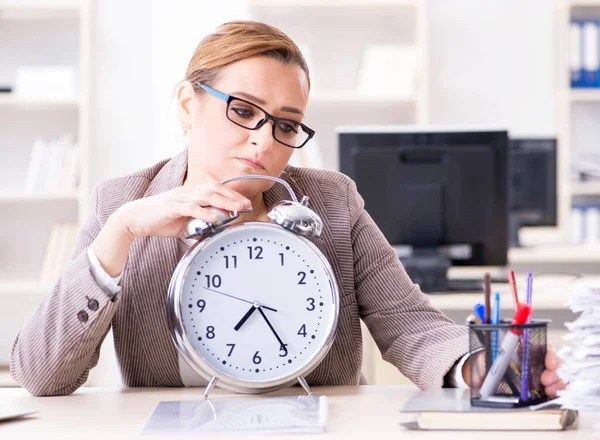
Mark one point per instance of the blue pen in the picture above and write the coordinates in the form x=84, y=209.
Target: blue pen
x=525, y=354
x=479, y=312
x=495, y=320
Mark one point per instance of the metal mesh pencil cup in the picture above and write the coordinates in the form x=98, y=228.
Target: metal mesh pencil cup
x=507, y=361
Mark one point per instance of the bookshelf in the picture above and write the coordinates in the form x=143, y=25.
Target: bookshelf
x=40, y=36
x=577, y=113
x=341, y=93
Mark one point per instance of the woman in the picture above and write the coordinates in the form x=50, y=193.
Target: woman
x=244, y=73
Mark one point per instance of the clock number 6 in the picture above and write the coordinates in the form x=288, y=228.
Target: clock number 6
x=256, y=359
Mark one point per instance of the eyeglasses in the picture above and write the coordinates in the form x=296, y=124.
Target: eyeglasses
x=290, y=133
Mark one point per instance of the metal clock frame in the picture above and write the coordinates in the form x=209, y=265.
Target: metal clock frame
x=174, y=312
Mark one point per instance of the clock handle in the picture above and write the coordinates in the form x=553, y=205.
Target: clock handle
x=258, y=176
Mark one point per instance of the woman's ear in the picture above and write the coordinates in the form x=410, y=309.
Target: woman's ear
x=185, y=98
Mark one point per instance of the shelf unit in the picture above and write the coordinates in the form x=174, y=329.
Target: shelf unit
x=41, y=33
x=349, y=27
x=577, y=113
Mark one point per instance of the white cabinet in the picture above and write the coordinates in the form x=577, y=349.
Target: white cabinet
x=44, y=58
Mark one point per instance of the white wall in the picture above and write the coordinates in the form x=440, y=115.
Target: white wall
x=140, y=52
x=491, y=63
x=122, y=98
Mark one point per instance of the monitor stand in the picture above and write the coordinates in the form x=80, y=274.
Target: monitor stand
x=516, y=220
x=429, y=270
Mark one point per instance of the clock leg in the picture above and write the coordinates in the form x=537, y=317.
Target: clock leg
x=209, y=387
x=304, y=384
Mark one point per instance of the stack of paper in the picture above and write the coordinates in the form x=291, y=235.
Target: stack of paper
x=581, y=357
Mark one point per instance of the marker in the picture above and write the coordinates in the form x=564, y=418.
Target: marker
x=509, y=343
x=479, y=312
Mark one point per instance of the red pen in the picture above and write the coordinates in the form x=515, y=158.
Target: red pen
x=513, y=288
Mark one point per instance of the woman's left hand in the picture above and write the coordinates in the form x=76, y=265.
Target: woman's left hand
x=550, y=378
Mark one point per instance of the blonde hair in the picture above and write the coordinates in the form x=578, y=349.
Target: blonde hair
x=236, y=41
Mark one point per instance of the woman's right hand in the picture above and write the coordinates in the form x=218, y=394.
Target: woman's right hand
x=164, y=215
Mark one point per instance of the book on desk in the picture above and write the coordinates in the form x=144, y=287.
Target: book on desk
x=450, y=409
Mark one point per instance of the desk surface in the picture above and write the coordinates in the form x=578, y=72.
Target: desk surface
x=550, y=292
x=354, y=412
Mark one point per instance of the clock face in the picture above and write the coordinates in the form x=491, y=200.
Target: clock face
x=257, y=304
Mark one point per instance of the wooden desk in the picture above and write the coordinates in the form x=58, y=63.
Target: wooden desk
x=354, y=412
x=550, y=292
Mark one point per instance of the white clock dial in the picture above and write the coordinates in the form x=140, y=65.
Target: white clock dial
x=258, y=303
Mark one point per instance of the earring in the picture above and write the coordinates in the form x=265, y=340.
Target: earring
x=185, y=130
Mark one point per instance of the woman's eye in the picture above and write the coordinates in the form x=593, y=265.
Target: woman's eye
x=242, y=111
x=286, y=127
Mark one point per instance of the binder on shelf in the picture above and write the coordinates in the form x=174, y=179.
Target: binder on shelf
x=591, y=56
x=575, y=53
x=53, y=165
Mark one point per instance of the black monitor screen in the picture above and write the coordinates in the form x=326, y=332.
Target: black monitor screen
x=533, y=184
x=434, y=189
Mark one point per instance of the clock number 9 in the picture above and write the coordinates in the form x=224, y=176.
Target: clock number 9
x=201, y=304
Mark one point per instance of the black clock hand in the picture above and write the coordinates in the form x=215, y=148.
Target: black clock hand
x=245, y=318
x=239, y=299
x=281, y=344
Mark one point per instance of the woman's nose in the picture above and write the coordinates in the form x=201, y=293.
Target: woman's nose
x=263, y=137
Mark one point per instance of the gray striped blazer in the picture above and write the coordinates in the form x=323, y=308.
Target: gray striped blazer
x=57, y=347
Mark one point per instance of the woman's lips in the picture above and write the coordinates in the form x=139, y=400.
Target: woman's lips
x=251, y=163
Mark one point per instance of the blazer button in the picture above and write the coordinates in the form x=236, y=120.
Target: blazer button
x=93, y=305
x=82, y=316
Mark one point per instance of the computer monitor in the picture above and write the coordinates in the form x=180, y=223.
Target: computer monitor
x=441, y=195
x=533, y=185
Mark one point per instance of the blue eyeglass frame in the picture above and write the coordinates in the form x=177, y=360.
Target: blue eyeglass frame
x=228, y=98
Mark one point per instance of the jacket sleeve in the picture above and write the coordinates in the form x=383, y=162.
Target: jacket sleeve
x=411, y=334
x=60, y=343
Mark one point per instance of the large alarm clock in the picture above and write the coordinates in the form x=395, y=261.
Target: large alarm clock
x=253, y=306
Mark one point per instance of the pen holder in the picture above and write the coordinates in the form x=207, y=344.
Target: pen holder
x=506, y=363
